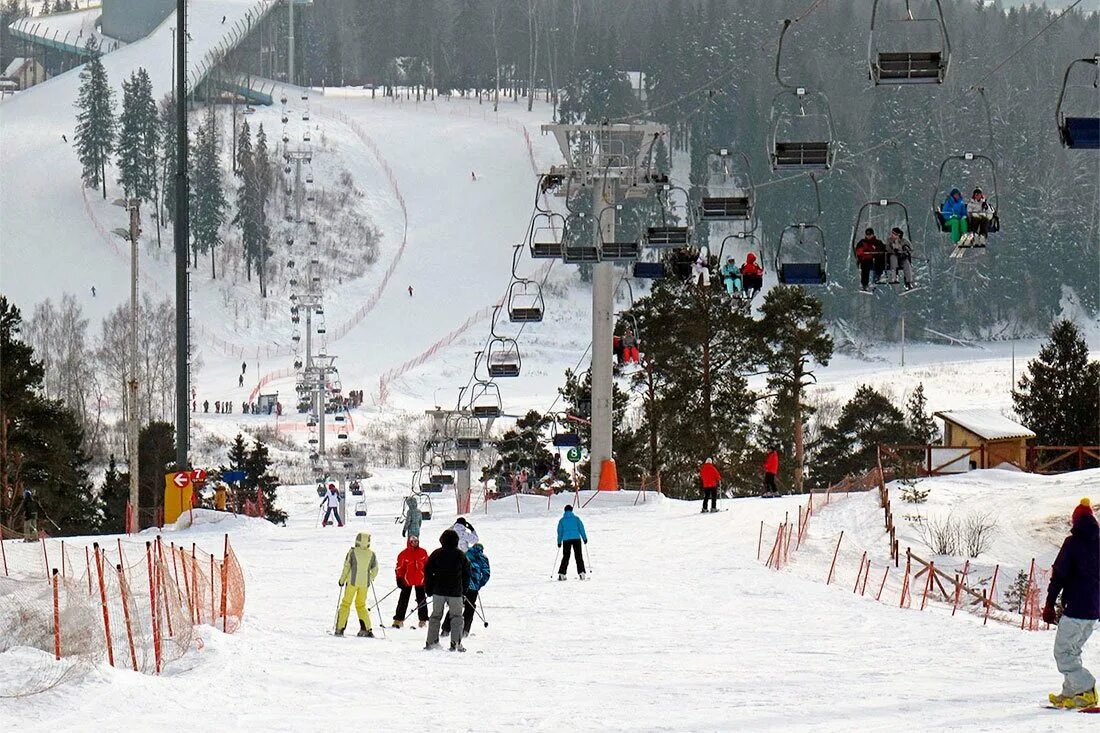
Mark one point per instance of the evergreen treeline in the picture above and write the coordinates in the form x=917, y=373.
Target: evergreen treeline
x=709, y=69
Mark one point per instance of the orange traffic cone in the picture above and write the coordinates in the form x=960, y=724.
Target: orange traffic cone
x=609, y=476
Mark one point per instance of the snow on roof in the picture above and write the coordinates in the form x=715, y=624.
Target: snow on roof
x=15, y=66
x=985, y=423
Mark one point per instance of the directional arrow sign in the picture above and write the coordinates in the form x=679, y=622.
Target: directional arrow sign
x=181, y=479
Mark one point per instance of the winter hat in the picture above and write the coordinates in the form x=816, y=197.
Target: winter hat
x=1085, y=507
x=955, y=191
x=868, y=232
x=568, y=507
x=449, y=538
x=462, y=521
x=708, y=461
x=897, y=231
x=977, y=191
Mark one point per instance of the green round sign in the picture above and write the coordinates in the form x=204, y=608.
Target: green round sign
x=574, y=455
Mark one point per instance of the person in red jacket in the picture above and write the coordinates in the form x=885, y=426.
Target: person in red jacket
x=410, y=577
x=752, y=276
x=710, y=478
x=771, y=467
x=871, y=256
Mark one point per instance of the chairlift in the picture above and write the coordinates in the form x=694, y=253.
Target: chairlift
x=1080, y=131
x=667, y=234
x=890, y=214
x=896, y=56
x=456, y=464
x=361, y=508
x=800, y=258
x=355, y=488
x=341, y=436
x=502, y=357
x=545, y=235
x=339, y=418
x=730, y=195
x=305, y=136
x=649, y=270
x=621, y=249
x=525, y=301
x=305, y=116
x=296, y=338
x=467, y=433
x=485, y=400
x=577, y=245
x=309, y=178
x=970, y=161
x=423, y=503
x=802, y=139
x=563, y=437
x=443, y=479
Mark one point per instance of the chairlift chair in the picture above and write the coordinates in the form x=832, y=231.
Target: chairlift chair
x=525, y=301
x=942, y=191
x=800, y=258
x=1079, y=132
x=620, y=249
x=467, y=433
x=456, y=464
x=485, y=400
x=563, y=437
x=355, y=488
x=732, y=197
x=361, y=508
x=443, y=479
x=903, y=62
x=503, y=358
x=864, y=220
x=545, y=236
x=321, y=490
x=801, y=140
x=649, y=270
x=667, y=234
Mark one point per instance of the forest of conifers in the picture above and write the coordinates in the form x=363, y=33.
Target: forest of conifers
x=709, y=67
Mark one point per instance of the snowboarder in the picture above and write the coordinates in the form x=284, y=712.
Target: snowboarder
x=709, y=478
x=479, y=577
x=465, y=531
x=360, y=570
x=446, y=577
x=771, y=468
x=900, y=251
x=331, y=502
x=752, y=276
x=413, y=517
x=1076, y=577
x=953, y=210
x=870, y=252
x=410, y=577
x=570, y=534
x=630, y=346
x=30, y=517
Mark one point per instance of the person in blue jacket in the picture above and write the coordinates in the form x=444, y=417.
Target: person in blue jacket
x=479, y=578
x=954, y=214
x=1076, y=577
x=570, y=535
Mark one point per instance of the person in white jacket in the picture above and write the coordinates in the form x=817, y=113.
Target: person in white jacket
x=467, y=537
x=331, y=502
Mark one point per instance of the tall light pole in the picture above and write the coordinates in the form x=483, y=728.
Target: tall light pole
x=133, y=206
x=181, y=234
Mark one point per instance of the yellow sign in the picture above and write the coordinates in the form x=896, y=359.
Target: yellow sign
x=177, y=495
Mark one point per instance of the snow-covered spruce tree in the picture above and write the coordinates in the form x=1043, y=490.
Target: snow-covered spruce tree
x=250, y=215
x=208, y=200
x=1058, y=396
x=261, y=161
x=137, y=138
x=167, y=158
x=922, y=427
x=848, y=446
x=113, y=497
x=95, y=121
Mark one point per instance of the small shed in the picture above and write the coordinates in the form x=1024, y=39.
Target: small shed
x=25, y=72
x=992, y=438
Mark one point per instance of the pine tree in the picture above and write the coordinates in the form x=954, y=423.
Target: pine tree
x=95, y=121
x=849, y=446
x=524, y=447
x=137, y=138
x=113, y=497
x=168, y=128
x=922, y=428
x=208, y=200
x=1058, y=397
x=238, y=461
x=794, y=338
x=261, y=161
x=258, y=464
x=244, y=151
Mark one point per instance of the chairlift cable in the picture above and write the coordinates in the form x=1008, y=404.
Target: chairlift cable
x=1026, y=43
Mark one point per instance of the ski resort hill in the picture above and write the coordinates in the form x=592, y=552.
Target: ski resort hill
x=699, y=636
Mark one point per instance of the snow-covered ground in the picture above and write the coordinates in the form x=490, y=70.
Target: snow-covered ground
x=678, y=628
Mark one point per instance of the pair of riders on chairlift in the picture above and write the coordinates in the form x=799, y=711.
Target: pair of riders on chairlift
x=877, y=257
x=968, y=221
x=743, y=281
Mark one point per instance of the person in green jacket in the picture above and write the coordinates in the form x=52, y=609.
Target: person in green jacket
x=360, y=569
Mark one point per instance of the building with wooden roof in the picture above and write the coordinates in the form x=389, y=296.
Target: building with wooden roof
x=993, y=438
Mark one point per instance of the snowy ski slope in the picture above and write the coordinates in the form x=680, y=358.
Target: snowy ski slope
x=679, y=628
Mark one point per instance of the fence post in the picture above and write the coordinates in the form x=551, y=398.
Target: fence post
x=56, y=619
x=992, y=589
x=154, y=622
x=882, y=585
x=1027, y=598
x=225, y=565
x=835, y=553
x=905, y=582
x=103, y=604
x=759, y=545
x=959, y=582
x=88, y=570
x=928, y=583
x=3, y=554
x=124, y=589
x=859, y=573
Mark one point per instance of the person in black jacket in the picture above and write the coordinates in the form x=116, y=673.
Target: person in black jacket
x=1076, y=577
x=446, y=577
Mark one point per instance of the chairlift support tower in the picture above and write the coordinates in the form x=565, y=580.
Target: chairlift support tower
x=613, y=161
x=298, y=157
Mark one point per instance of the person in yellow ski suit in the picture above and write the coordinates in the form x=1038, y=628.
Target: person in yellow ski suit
x=360, y=569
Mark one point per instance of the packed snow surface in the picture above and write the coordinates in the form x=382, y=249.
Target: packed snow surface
x=678, y=627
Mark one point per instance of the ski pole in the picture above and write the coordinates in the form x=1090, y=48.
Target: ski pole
x=336, y=618
x=380, y=624
x=410, y=613
x=383, y=597
x=555, y=571
x=588, y=557
x=477, y=609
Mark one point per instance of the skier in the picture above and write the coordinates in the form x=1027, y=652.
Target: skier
x=217, y=407
x=771, y=468
x=206, y=405
x=869, y=254
x=1076, y=577
x=570, y=534
x=413, y=517
x=473, y=176
x=410, y=291
x=954, y=214
x=240, y=381
x=630, y=346
x=65, y=139
x=331, y=502
x=709, y=478
x=410, y=577
x=244, y=367
x=479, y=578
x=93, y=291
x=466, y=534
x=731, y=276
x=360, y=570
x=752, y=276
x=900, y=250
x=446, y=576
x=30, y=517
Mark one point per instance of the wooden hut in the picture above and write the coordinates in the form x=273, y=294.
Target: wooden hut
x=992, y=439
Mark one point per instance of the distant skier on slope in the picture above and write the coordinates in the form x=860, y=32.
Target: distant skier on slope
x=413, y=517
x=709, y=478
x=771, y=468
x=410, y=291
x=446, y=577
x=410, y=578
x=570, y=535
x=479, y=578
x=331, y=502
x=467, y=537
x=1076, y=577
x=360, y=570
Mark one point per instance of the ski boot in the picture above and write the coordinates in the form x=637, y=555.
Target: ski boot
x=584, y=576
x=456, y=646
x=431, y=646
x=713, y=510
x=368, y=633
x=421, y=624
x=338, y=632
x=1086, y=699
x=397, y=623
x=561, y=576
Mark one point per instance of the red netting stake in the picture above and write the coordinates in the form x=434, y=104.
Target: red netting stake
x=759, y=545
x=859, y=573
x=126, y=614
x=905, y=582
x=773, y=558
x=103, y=603
x=882, y=585
x=1027, y=596
x=62, y=558
x=121, y=557
x=225, y=573
x=866, y=576
x=212, y=616
x=992, y=589
x=928, y=583
x=154, y=621
x=175, y=570
x=88, y=570
x=787, y=546
x=187, y=584
x=960, y=581
x=4, y=555
x=836, y=552
x=162, y=567
x=798, y=541
x=45, y=558
x=56, y=619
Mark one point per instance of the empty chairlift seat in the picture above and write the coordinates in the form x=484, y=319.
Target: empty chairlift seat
x=1079, y=128
x=1082, y=133
x=909, y=67
x=618, y=251
x=545, y=236
x=802, y=273
x=668, y=237
x=801, y=155
x=725, y=208
x=649, y=270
